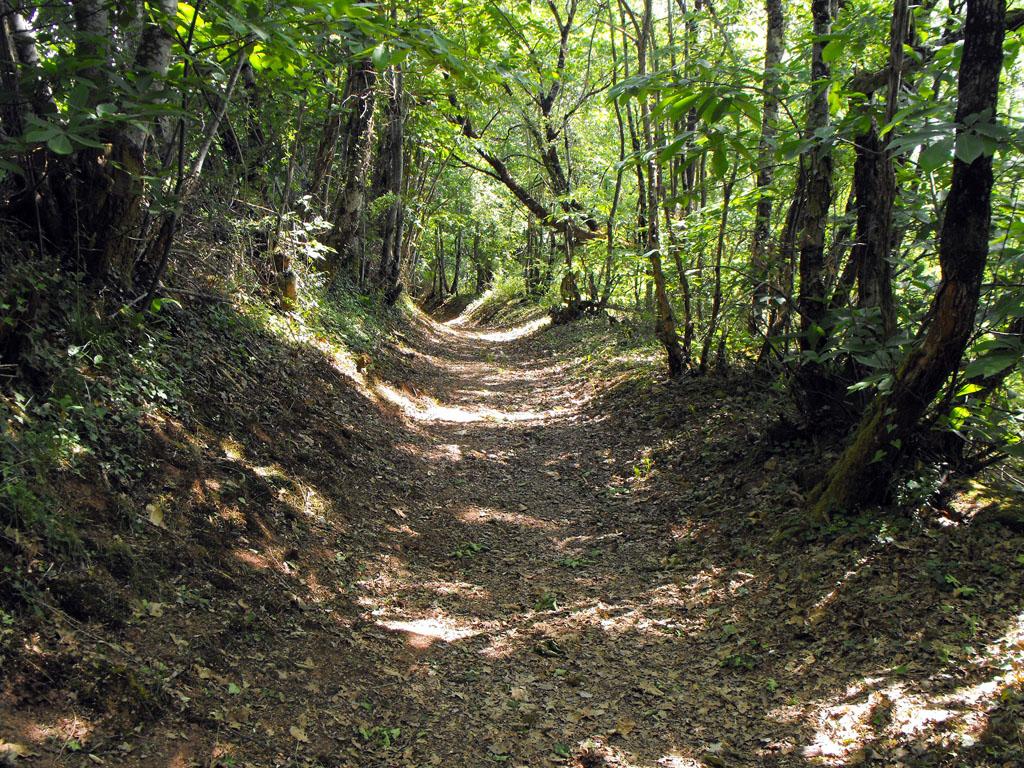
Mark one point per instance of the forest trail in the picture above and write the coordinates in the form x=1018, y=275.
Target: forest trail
x=482, y=550
x=522, y=600
x=520, y=603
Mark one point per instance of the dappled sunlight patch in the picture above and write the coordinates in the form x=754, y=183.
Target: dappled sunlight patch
x=878, y=713
x=462, y=589
x=429, y=410
x=182, y=758
x=422, y=633
x=302, y=498
x=841, y=728
x=818, y=611
x=293, y=328
x=315, y=591
x=403, y=530
x=485, y=394
x=739, y=582
x=503, y=646
x=659, y=612
x=232, y=449
x=476, y=515
x=655, y=615
x=270, y=472
x=497, y=375
x=305, y=501
x=705, y=587
x=233, y=516
x=505, y=335
x=467, y=313
x=253, y=559
x=447, y=451
x=676, y=760
x=67, y=733
x=383, y=579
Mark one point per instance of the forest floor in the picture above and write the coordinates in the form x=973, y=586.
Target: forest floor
x=510, y=547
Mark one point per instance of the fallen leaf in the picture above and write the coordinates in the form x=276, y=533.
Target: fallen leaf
x=625, y=726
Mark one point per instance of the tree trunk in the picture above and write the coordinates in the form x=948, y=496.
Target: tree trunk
x=862, y=473
x=875, y=185
x=324, y=156
x=439, y=266
x=716, y=301
x=818, y=192
x=393, y=166
x=665, y=323
x=287, y=281
x=761, y=269
x=112, y=178
x=875, y=180
x=356, y=141
x=158, y=250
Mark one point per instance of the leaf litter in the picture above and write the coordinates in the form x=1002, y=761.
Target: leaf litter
x=550, y=559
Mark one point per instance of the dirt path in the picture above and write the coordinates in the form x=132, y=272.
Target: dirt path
x=477, y=554
x=519, y=610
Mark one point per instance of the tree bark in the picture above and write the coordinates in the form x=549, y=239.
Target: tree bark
x=875, y=184
x=112, y=178
x=716, y=302
x=818, y=191
x=761, y=245
x=356, y=141
x=393, y=161
x=158, y=250
x=458, y=262
x=325, y=149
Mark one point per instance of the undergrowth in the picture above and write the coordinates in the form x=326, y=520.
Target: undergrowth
x=81, y=383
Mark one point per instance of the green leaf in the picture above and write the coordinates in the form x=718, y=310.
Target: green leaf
x=935, y=155
x=832, y=50
x=969, y=147
x=8, y=167
x=990, y=365
x=42, y=133
x=60, y=144
x=720, y=162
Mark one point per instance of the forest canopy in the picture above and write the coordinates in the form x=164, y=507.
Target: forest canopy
x=826, y=193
